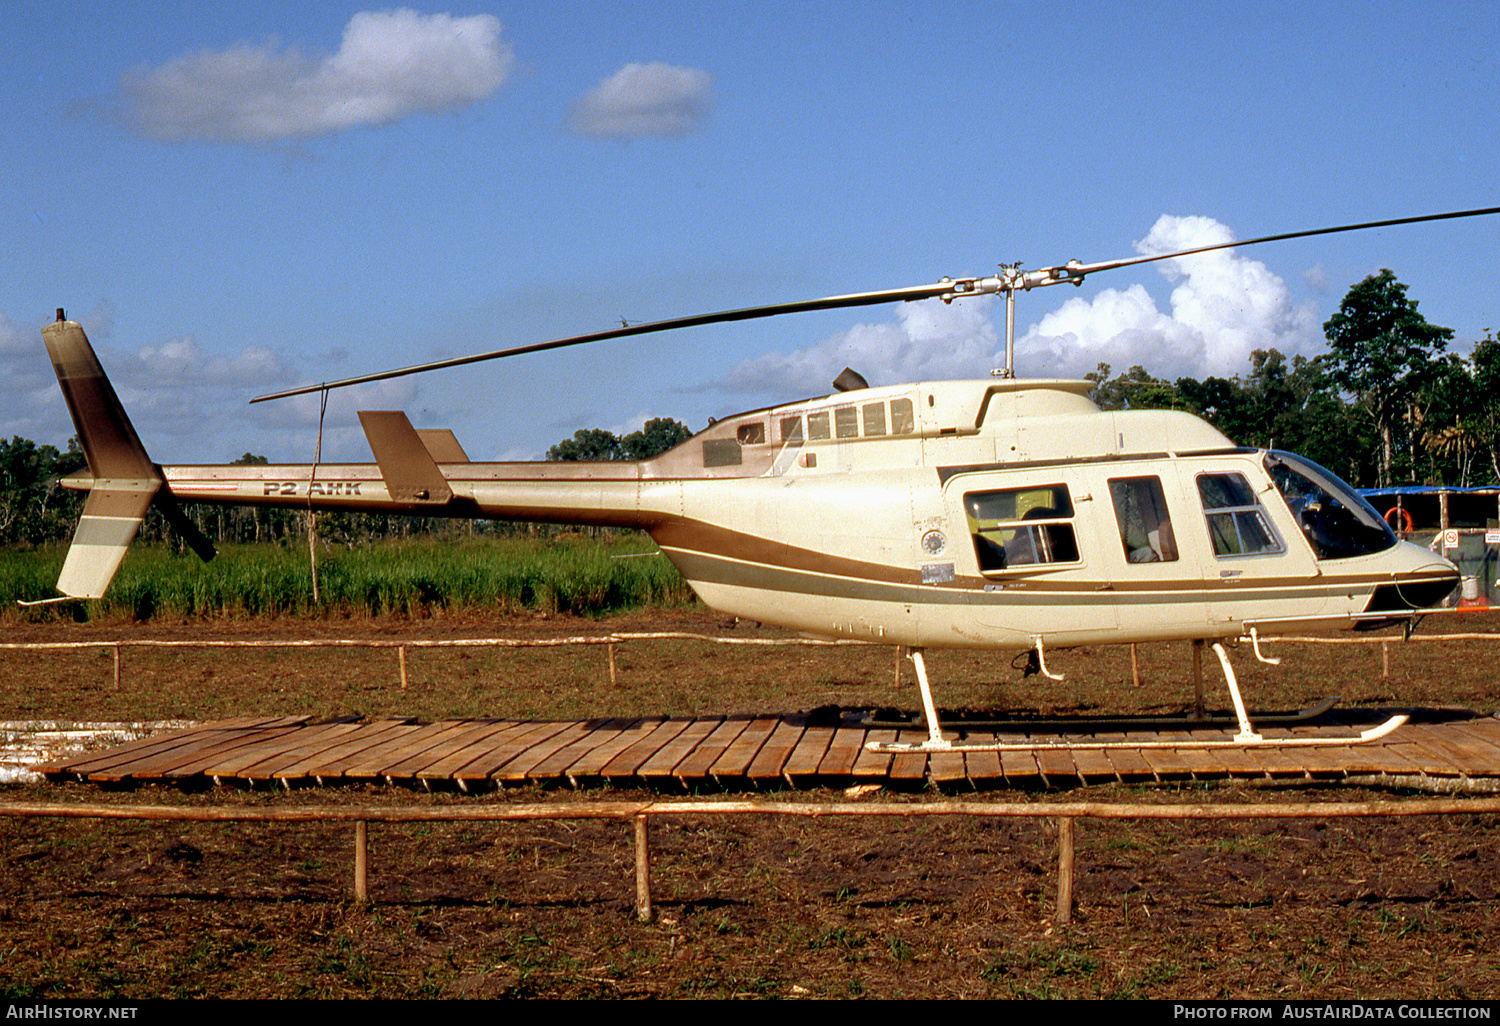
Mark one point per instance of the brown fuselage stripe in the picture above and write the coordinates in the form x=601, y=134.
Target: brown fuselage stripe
x=691, y=538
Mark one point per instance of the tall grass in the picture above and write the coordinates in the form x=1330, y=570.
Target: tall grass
x=587, y=576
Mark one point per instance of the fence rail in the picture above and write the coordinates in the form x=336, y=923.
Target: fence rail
x=639, y=815
x=612, y=640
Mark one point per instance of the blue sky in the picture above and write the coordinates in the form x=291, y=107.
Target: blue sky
x=241, y=198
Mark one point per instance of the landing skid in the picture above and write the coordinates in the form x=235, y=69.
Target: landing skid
x=1091, y=724
x=1246, y=738
x=1062, y=744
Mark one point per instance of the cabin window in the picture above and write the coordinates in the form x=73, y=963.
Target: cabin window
x=817, y=426
x=751, y=434
x=1021, y=527
x=1145, y=525
x=791, y=430
x=874, y=420
x=903, y=420
x=721, y=452
x=1337, y=522
x=846, y=422
x=1237, y=523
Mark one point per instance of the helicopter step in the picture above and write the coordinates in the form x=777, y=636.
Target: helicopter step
x=1247, y=737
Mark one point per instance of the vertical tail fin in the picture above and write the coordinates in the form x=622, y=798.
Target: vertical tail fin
x=125, y=482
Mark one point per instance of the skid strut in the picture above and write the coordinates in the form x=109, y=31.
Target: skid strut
x=1246, y=738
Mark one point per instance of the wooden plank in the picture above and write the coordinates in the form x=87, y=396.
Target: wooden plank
x=276, y=752
x=1057, y=766
x=421, y=750
x=804, y=759
x=843, y=752
x=520, y=765
x=1092, y=764
x=767, y=764
x=698, y=763
x=947, y=768
x=329, y=761
x=555, y=764
x=1279, y=762
x=369, y=765
x=191, y=755
x=1166, y=763
x=487, y=751
x=650, y=749
x=1481, y=739
x=187, y=739
x=911, y=768
x=664, y=763
x=1188, y=761
x=1461, y=753
x=1019, y=767
x=983, y=769
x=1236, y=762
x=1421, y=744
x=736, y=761
x=590, y=763
x=461, y=755
x=874, y=765
x=1130, y=765
x=1318, y=763
x=192, y=752
x=1384, y=756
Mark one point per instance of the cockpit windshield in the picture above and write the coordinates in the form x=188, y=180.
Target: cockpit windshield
x=1337, y=522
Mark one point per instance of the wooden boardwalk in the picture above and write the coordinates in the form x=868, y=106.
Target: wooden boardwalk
x=1439, y=750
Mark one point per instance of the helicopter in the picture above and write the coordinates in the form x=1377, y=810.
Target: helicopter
x=996, y=513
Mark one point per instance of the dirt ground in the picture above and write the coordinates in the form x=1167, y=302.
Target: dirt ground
x=746, y=906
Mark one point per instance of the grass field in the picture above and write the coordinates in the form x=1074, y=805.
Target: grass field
x=571, y=574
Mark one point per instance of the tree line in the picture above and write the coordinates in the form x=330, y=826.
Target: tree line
x=1388, y=404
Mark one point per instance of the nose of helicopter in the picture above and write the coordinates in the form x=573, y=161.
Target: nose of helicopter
x=1421, y=579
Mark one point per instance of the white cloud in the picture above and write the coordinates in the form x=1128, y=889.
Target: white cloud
x=1223, y=307
x=646, y=99
x=33, y=407
x=930, y=341
x=390, y=64
x=181, y=362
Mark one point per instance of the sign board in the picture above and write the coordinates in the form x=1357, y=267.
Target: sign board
x=1450, y=538
x=1492, y=536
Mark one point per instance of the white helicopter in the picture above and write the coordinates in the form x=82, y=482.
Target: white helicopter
x=994, y=513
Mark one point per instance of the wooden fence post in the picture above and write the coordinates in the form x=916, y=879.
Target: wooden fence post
x=1064, y=870
x=361, y=861
x=642, y=869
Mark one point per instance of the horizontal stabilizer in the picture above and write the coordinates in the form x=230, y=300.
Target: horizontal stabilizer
x=443, y=444
x=184, y=527
x=410, y=472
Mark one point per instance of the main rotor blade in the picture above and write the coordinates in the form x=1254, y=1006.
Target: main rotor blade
x=1110, y=265
x=745, y=314
x=1011, y=279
